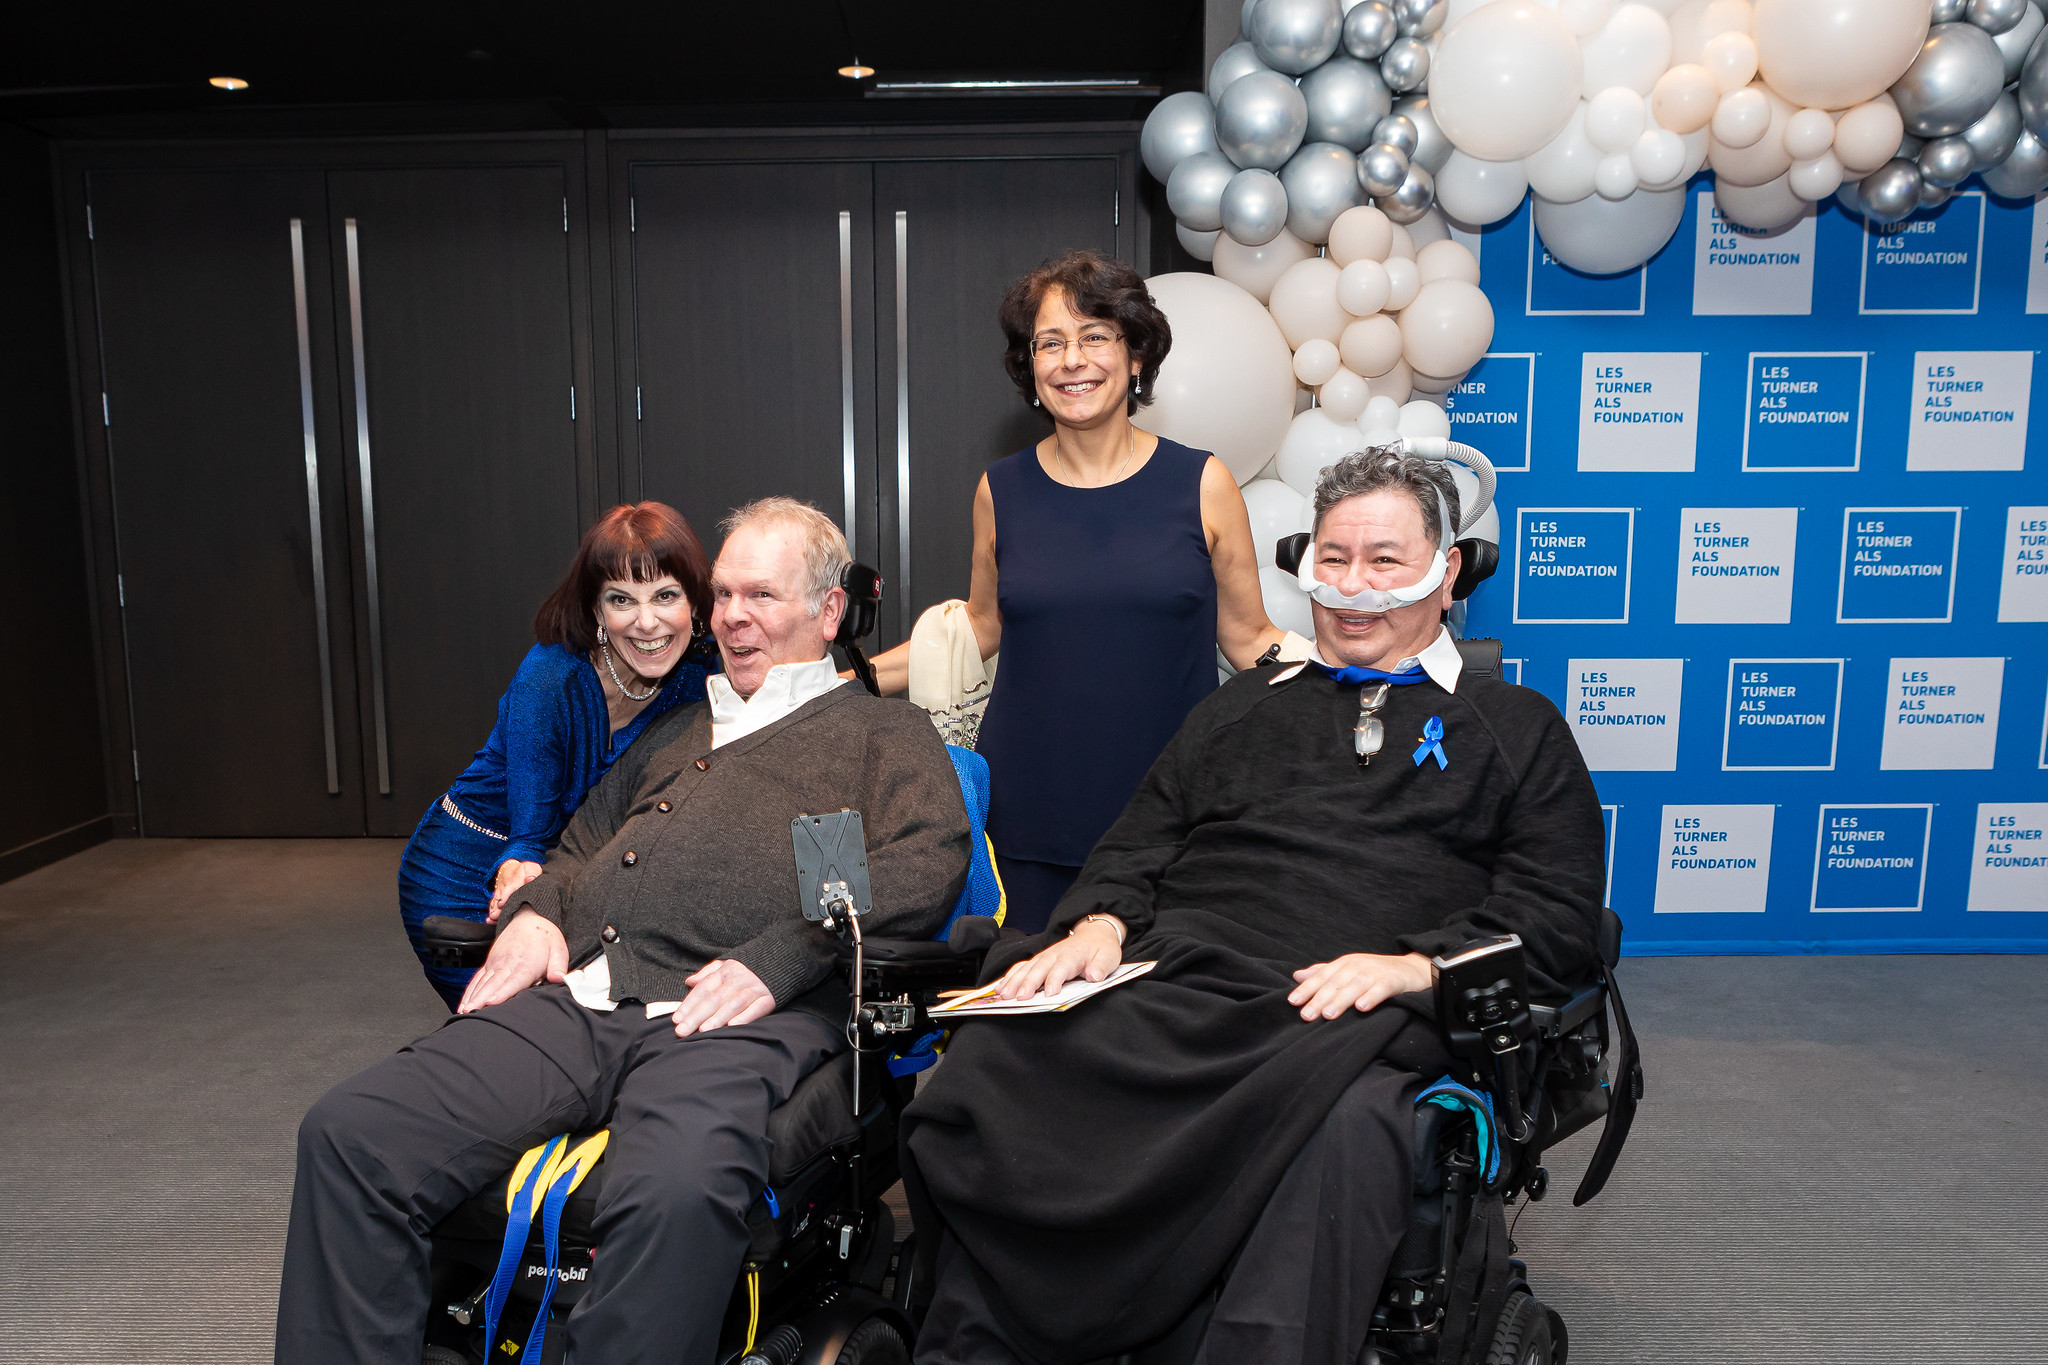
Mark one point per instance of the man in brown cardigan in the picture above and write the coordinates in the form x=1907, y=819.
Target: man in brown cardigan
x=657, y=976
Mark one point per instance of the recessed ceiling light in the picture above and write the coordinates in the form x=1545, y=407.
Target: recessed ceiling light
x=227, y=83
x=856, y=71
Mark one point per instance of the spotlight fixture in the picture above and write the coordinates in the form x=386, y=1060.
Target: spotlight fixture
x=227, y=83
x=856, y=71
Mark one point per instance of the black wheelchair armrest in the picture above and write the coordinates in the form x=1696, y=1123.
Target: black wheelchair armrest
x=453, y=942
x=1554, y=1021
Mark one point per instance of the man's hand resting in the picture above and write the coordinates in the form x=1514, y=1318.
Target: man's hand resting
x=1361, y=981
x=528, y=951
x=1090, y=951
x=722, y=992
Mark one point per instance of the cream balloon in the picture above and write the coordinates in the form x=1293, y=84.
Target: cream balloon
x=1371, y=346
x=1447, y=260
x=1227, y=385
x=1763, y=159
x=1808, y=133
x=1304, y=302
x=1360, y=234
x=1615, y=118
x=1562, y=169
x=1402, y=247
x=1479, y=192
x=1403, y=280
x=1831, y=54
x=1742, y=117
x=1430, y=228
x=1422, y=418
x=1505, y=79
x=1286, y=604
x=1632, y=49
x=1255, y=268
x=1200, y=245
x=1276, y=511
x=1343, y=396
x=1362, y=288
x=1730, y=58
x=1380, y=422
x=1315, y=360
x=1762, y=208
x=1314, y=441
x=1396, y=383
x=1584, y=17
x=1447, y=328
x=1869, y=135
x=1683, y=98
x=1433, y=387
x=1815, y=178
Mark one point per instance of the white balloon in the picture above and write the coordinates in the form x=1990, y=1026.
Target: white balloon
x=1314, y=441
x=1505, y=78
x=1430, y=228
x=1371, y=346
x=1869, y=135
x=1200, y=245
x=1447, y=328
x=1834, y=53
x=1431, y=388
x=1584, y=17
x=1741, y=118
x=1362, y=233
x=1477, y=192
x=1276, y=511
x=1380, y=422
x=1403, y=245
x=1762, y=208
x=1287, y=606
x=1603, y=236
x=1633, y=48
x=1562, y=169
x=1447, y=260
x=1763, y=159
x=1422, y=418
x=1695, y=21
x=1343, y=396
x=1730, y=58
x=1255, y=268
x=1362, y=288
x=1615, y=118
x=1403, y=279
x=1396, y=383
x=1683, y=98
x=1615, y=177
x=1304, y=302
x=1658, y=157
x=1227, y=385
x=1815, y=178
x=1808, y=133
x=1315, y=361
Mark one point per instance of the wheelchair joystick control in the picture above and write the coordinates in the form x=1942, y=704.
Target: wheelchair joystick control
x=1482, y=1005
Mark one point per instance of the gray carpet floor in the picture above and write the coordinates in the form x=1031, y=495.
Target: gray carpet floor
x=1839, y=1159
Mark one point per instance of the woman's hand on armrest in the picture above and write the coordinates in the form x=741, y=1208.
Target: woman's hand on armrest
x=1093, y=950
x=1361, y=981
x=513, y=873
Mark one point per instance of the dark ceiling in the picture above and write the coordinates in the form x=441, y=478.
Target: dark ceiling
x=567, y=64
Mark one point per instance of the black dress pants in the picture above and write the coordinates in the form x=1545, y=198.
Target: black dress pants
x=385, y=1155
x=1303, y=1286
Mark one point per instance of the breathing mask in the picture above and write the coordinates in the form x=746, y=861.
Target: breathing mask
x=1376, y=600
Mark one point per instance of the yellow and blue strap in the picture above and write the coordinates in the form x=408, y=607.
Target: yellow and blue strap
x=542, y=1181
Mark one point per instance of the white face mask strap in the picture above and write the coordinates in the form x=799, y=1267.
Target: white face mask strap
x=1375, y=599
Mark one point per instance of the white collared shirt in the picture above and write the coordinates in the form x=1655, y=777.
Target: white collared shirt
x=1440, y=660
x=786, y=687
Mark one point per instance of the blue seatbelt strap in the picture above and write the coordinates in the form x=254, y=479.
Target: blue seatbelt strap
x=568, y=1174
x=1448, y=1094
x=529, y=1179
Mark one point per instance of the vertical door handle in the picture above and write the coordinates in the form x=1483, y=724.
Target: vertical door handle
x=846, y=370
x=903, y=417
x=355, y=329
x=313, y=502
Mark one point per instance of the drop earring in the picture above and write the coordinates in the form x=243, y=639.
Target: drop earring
x=601, y=636
x=1137, y=386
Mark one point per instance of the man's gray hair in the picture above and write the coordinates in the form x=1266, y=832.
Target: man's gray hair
x=1389, y=466
x=824, y=545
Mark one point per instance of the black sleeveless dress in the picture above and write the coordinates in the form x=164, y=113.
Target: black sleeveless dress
x=1109, y=639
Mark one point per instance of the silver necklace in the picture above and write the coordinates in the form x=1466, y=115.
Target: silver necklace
x=1118, y=478
x=606, y=650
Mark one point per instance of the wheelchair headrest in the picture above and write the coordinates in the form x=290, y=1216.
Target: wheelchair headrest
x=863, y=587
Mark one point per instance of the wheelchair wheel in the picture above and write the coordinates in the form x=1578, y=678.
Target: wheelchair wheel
x=442, y=1355
x=874, y=1342
x=1523, y=1337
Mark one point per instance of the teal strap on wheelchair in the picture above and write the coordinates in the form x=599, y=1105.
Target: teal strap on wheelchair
x=1448, y=1094
x=529, y=1180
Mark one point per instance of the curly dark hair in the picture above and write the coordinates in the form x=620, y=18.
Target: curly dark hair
x=1096, y=286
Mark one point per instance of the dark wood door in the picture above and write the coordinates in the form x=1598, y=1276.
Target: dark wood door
x=216, y=348
x=964, y=229
x=751, y=356
x=454, y=289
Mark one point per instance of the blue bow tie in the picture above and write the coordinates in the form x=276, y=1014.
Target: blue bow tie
x=1356, y=676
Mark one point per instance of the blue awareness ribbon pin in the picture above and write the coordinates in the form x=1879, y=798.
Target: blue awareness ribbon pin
x=1433, y=744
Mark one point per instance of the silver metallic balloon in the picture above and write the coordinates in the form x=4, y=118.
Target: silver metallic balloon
x=1381, y=170
x=1398, y=131
x=2017, y=41
x=1260, y=120
x=1254, y=207
x=2024, y=172
x=2033, y=90
x=1952, y=83
x=1909, y=146
x=1934, y=196
x=1369, y=28
x=1995, y=16
x=1992, y=137
x=1892, y=191
x=1322, y=182
x=1946, y=162
x=1195, y=190
x=1424, y=17
x=1296, y=35
x=1239, y=59
x=1432, y=148
x=1412, y=200
x=1244, y=16
x=1179, y=126
x=1346, y=97
x=1945, y=11
x=1405, y=65
x=1200, y=245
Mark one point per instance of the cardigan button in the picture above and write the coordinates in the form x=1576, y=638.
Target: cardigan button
x=610, y=935
x=703, y=765
x=630, y=858
x=663, y=806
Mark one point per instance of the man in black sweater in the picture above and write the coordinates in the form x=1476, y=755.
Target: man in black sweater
x=657, y=977
x=1306, y=843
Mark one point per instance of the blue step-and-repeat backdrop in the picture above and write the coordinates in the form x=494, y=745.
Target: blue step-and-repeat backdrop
x=1774, y=537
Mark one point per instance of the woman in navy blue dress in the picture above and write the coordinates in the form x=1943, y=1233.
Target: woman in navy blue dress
x=623, y=639
x=1109, y=566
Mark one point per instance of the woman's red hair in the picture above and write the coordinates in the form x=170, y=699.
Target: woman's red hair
x=634, y=542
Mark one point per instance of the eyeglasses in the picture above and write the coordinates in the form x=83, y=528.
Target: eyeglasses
x=1370, y=732
x=1092, y=343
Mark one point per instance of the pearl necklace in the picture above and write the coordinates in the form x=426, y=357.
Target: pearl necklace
x=606, y=650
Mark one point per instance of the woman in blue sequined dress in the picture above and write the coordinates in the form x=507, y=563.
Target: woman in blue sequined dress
x=624, y=639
